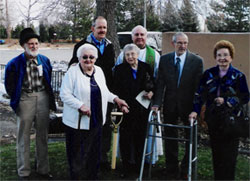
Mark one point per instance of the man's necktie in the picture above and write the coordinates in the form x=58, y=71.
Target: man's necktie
x=177, y=70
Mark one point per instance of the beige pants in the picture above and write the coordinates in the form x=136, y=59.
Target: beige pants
x=33, y=107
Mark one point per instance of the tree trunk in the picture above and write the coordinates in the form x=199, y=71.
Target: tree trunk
x=8, y=28
x=106, y=8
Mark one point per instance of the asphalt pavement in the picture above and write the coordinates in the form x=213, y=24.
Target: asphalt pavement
x=53, y=54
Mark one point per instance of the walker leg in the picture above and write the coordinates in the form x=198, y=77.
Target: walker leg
x=190, y=153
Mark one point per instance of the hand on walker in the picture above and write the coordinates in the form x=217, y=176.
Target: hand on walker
x=122, y=105
x=155, y=109
x=192, y=116
x=85, y=110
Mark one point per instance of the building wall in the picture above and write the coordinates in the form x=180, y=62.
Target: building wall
x=203, y=43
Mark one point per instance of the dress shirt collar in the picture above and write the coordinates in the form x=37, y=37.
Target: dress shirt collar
x=182, y=57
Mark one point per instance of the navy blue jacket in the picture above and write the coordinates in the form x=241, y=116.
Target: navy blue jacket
x=233, y=88
x=15, y=71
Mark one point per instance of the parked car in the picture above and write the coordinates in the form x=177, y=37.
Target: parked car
x=2, y=42
x=154, y=39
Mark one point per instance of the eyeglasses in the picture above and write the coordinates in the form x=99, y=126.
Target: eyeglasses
x=181, y=43
x=223, y=55
x=85, y=57
x=141, y=34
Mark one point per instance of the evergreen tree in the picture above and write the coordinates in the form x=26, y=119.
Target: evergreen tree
x=189, y=18
x=131, y=13
x=171, y=19
x=80, y=14
x=43, y=32
x=63, y=30
x=152, y=21
x=52, y=33
x=216, y=21
x=237, y=15
x=15, y=33
x=135, y=15
x=3, y=32
x=232, y=16
x=122, y=12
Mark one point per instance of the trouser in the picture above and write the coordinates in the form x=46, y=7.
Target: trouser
x=83, y=151
x=132, y=138
x=171, y=146
x=106, y=135
x=33, y=107
x=224, y=151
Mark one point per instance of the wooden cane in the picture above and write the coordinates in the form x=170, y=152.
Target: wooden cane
x=115, y=134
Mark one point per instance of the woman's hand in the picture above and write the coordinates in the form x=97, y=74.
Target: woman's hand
x=192, y=115
x=148, y=95
x=122, y=104
x=219, y=101
x=85, y=110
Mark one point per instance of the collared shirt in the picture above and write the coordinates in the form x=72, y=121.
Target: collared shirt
x=32, y=80
x=99, y=44
x=183, y=58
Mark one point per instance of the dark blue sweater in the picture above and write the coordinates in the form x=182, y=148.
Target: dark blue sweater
x=15, y=71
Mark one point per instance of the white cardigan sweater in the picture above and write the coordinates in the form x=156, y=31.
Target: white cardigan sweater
x=75, y=91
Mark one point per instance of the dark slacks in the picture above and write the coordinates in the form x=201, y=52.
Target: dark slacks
x=171, y=146
x=83, y=151
x=106, y=136
x=132, y=137
x=224, y=151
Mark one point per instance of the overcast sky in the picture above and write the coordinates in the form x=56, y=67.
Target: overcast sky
x=16, y=6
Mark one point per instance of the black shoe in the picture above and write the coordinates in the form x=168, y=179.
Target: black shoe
x=183, y=176
x=23, y=178
x=47, y=176
x=172, y=175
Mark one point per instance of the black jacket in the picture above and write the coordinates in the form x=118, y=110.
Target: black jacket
x=181, y=97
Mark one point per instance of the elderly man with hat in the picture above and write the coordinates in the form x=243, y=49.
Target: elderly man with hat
x=27, y=82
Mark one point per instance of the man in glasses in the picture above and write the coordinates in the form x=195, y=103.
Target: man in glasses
x=147, y=54
x=179, y=75
x=106, y=59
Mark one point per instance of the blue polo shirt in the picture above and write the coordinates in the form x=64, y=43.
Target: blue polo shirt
x=99, y=44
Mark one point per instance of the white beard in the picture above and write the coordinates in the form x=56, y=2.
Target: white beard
x=29, y=52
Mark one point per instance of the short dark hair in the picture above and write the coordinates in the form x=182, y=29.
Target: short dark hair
x=98, y=17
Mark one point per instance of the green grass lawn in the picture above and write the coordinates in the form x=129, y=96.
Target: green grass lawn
x=59, y=166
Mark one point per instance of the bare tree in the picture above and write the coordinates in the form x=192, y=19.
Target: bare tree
x=1, y=12
x=8, y=27
x=106, y=8
x=30, y=13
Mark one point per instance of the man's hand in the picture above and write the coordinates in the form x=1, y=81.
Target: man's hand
x=192, y=115
x=85, y=110
x=155, y=108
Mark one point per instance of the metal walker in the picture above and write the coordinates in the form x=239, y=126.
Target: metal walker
x=153, y=121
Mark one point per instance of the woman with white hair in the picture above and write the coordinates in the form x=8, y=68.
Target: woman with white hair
x=85, y=97
x=131, y=78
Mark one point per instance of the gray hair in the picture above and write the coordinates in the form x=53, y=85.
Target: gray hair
x=138, y=26
x=85, y=47
x=178, y=34
x=130, y=47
